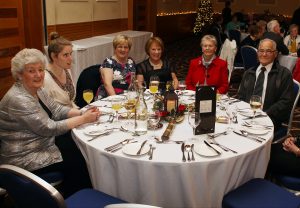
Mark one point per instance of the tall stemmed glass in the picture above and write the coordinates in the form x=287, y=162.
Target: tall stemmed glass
x=194, y=120
x=153, y=84
x=116, y=105
x=153, y=120
x=88, y=96
x=181, y=87
x=255, y=104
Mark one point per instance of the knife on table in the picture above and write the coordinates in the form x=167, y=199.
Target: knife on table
x=205, y=142
x=249, y=137
x=258, y=116
x=141, y=148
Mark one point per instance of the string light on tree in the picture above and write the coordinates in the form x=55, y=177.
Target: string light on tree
x=204, y=16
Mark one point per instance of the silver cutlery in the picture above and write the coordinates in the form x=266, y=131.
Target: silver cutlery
x=188, y=149
x=183, y=150
x=226, y=149
x=217, y=134
x=246, y=136
x=192, y=150
x=258, y=116
x=120, y=147
x=125, y=141
x=151, y=152
x=211, y=147
x=99, y=135
x=122, y=128
x=141, y=148
x=248, y=124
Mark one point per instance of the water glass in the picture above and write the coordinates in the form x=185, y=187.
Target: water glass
x=194, y=120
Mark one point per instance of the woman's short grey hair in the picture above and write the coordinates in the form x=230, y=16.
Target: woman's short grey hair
x=121, y=39
x=210, y=38
x=23, y=57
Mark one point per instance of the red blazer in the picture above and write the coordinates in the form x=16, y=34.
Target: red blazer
x=296, y=72
x=217, y=74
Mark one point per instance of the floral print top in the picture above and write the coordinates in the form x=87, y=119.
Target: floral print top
x=121, y=76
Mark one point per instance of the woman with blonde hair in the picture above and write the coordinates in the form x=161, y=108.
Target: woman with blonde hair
x=116, y=70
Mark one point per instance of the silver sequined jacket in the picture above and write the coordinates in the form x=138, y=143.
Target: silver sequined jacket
x=26, y=131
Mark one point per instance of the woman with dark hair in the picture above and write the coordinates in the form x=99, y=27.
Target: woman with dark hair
x=156, y=65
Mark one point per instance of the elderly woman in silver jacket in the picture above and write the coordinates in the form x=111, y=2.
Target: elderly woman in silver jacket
x=30, y=119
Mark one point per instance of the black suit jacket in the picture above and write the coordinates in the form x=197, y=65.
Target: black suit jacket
x=279, y=41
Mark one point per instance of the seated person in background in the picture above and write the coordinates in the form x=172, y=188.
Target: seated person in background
x=254, y=37
x=234, y=24
x=208, y=69
x=30, y=120
x=292, y=41
x=262, y=24
x=58, y=82
x=274, y=34
x=155, y=65
x=285, y=157
x=276, y=88
x=116, y=70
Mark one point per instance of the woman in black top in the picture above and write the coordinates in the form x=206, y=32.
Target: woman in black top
x=155, y=65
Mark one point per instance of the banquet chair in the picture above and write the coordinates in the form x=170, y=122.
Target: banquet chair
x=249, y=56
x=29, y=190
x=260, y=193
x=285, y=130
x=89, y=78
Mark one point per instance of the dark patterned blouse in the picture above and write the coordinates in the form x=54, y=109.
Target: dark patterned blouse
x=121, y=76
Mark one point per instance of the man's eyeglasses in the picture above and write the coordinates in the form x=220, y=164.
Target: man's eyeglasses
x=262, y=51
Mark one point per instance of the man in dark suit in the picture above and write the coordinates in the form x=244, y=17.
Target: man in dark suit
x=277, y=84
x=273, y=33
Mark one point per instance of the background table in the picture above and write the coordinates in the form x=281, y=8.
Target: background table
x=167, y=181
x=288, y=61
x=94, y=50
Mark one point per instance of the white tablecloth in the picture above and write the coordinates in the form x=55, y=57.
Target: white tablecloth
x=94, y=50
x=166, y=181
x=288, y=61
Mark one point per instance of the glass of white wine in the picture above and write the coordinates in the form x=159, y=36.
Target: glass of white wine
x=255, y=104
x=129, y=106
x=116, y=105
x=153, y=84
x=88, y=96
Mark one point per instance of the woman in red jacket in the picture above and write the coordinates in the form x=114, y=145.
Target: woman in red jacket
x=208, y=69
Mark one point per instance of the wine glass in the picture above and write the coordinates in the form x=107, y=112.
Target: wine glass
x=181, y=86
x=153, y=84
x=116, y=105
x=141, y=85
x=129, y=105
x=255, y=104
x=194, y=120
x=88, y=96
x=153, y=120
x=168, y=85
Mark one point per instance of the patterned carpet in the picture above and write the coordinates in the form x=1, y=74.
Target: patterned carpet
x=182, y=51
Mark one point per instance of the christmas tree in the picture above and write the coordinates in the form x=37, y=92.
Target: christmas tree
x=204, y=16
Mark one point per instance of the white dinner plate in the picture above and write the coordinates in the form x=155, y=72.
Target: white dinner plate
x=204, y=151
x=94, y=130
x=133, y=148
x=188, y=93
x=255, y=130
x=249, y=113
x=115, y=98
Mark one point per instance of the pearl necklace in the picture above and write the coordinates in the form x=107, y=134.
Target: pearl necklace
x=156, y=65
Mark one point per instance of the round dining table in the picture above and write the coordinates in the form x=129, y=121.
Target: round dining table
x=166, y=180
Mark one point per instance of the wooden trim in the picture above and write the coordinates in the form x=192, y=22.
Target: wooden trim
x=76, y=31
x=8, y=4
x=9, y=22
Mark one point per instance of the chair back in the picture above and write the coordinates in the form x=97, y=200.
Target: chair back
x=297, y=95
x=28, y=190
x=249, y=56
x=228, y=52
x=89, y=78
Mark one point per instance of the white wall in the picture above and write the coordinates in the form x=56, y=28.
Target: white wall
x=63, y=12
